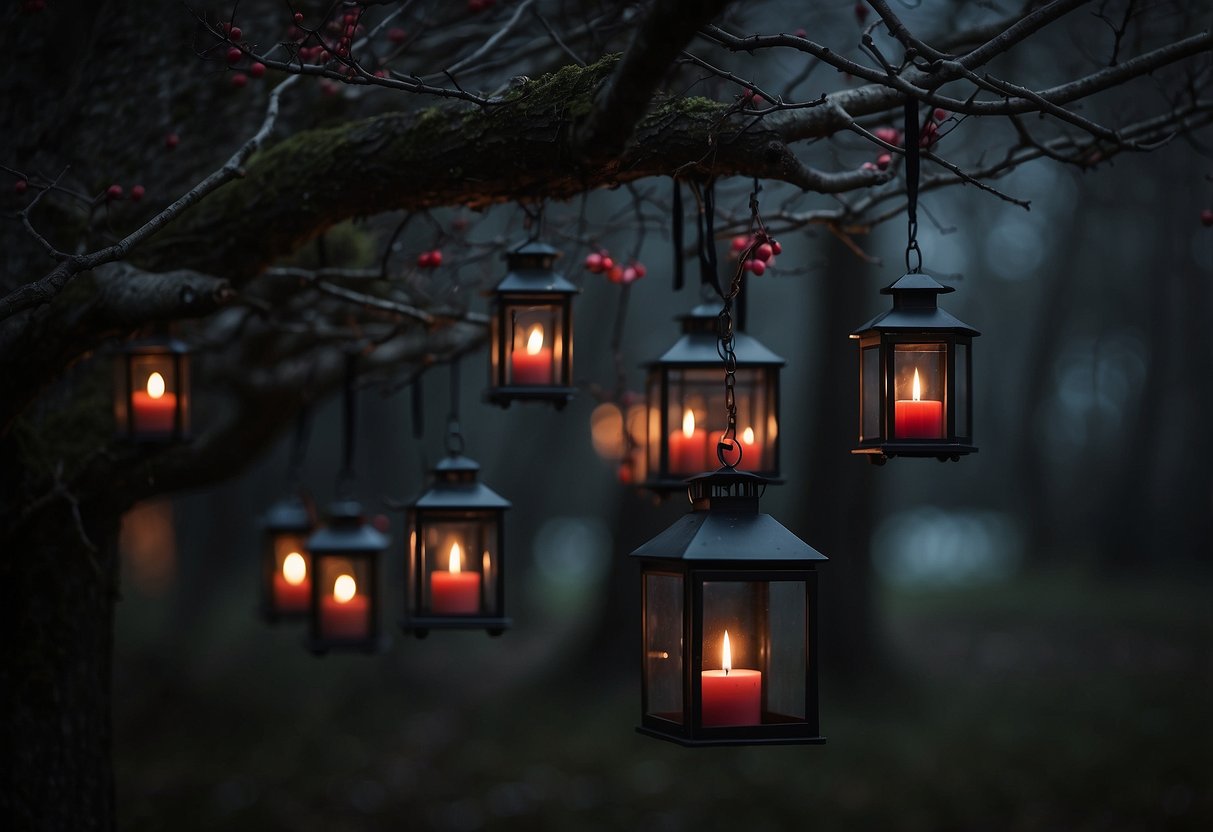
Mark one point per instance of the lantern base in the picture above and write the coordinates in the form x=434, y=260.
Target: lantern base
x=700, y=742
x=421, y=626
x=880, y=454
x=556, y=396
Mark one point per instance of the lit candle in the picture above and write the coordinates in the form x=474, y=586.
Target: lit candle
x=155, y=410
x=532, y=364
x=455, y=592
x=728, y=696
x=917, y=419
x=345, y=613
x=688, y=450
x=292, y=588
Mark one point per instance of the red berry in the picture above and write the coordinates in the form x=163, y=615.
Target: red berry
x=351, y=17
x=137, y=192
x=397, y=35
x=257, y=69
x=235, y=33
x=607, y=263
x=234, y=55
x=423, y=260
x=239, y=80
x=940, y=114
x=435, y=258
x=172, y=140
x=756, y=266
x=776, y=248
x=20, y=186
x=298, y=18
x=740, y=242
x=113, y=192
x=883, y=161
x=763, y=252
x=379, y=73
x=888, y=135
x=593, y=262
x=771, y=263
x=641, y=271
x=475, y=6
x=868, y=166
x=1206, y=217
x=629, y=275
x=861, y=13
x=615, y=274
x=800, y=33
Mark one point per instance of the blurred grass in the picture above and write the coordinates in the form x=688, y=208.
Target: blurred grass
x=1051, y=703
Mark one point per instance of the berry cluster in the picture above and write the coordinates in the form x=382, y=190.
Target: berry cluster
x=115, y=192
x=757, y=250
x=429, y=259
x=893, y=136
x=601, y=262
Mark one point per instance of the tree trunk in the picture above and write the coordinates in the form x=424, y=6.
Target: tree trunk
x=57, y=616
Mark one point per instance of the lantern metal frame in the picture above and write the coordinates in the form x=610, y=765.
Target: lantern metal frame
x=174, y=356
x=916, y=319
x=726, y=538
x=455, y=496
x=347, y=535
x=289, y=517
x=698, y=349
x=531, y=282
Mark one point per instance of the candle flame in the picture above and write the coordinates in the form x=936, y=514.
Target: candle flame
x=688, y=423
x=917, y=386
x=344, y=588
x=747, y=436
x=534, y=340
x=294, y=568
x=155, y=385
x=455, y=561
x=728, y=654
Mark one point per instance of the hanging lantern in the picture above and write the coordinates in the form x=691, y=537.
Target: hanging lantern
x=915, y=377
x=532, y=331
x=152, y=391
x=729, y=632
x=456, y=542
x=286, y=579
x=345, y=581
x=685, y=397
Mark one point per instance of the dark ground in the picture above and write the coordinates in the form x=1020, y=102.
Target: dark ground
x=1052, y=703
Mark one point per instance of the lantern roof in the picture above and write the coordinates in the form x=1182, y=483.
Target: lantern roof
x=347, y=531
x=726, y=525
x=915, y=307
x=529, y=271
x=156, y=344
x=456, y=486
x=287, y=515
x=699, y=344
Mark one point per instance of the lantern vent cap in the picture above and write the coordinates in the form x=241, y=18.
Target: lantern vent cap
x=347, y=531
x=529, y=270
x=917, y=282
x=289, y=514
x=456, y=486
x=699, y=344
x=916, y=309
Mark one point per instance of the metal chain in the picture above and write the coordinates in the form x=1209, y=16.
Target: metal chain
x=913, y=163
x=454, y=435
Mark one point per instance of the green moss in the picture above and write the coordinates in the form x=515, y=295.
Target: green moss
x=70, y=433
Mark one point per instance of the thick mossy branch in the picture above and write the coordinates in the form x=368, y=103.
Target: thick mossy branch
x=519, y=149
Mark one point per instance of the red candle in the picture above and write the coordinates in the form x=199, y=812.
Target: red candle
x=730, y=697
x=688, y=449
x=345, y=614
x=455, y=592
x=533, y=364
x=917, y=419
x=154, y=410
x=292, y=586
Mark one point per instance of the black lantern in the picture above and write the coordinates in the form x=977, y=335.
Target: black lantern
x=152, y=391
x=686, y=396
x=915, y=377
x=532, y=331
x=345, y=581
x=456, y=545
x=729, y=632
x=286, y=567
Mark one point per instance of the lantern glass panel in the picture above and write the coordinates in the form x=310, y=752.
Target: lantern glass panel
x=767, y=656
x=696, y=420
x=154, y=390
x=292, y=573
x=869, y=369
x=345, y=604
x=459, y=561
x=663, y=608
x=535, y=344
x=920, y=390
x=962, y=390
